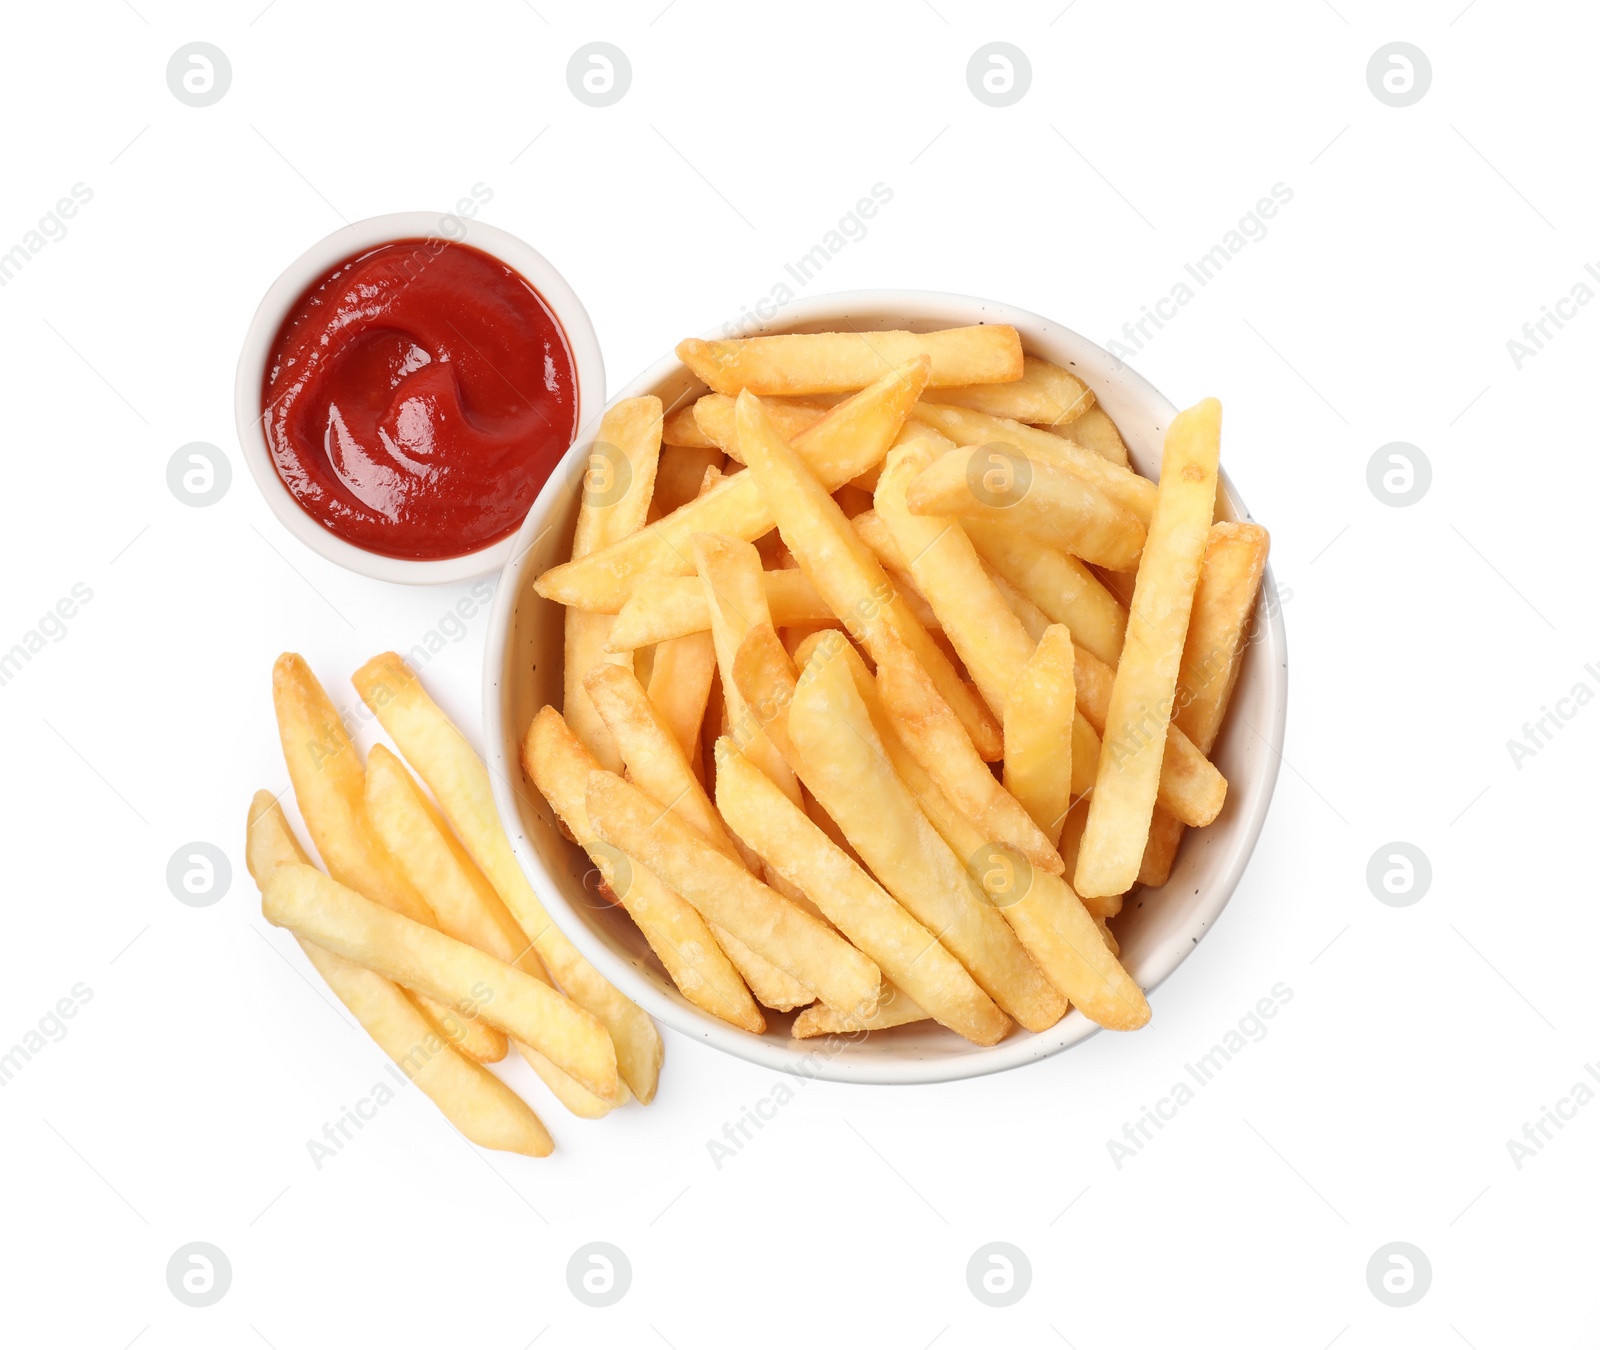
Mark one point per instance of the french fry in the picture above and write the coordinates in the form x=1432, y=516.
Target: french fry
x=657, y=764
x=680, y=687
x=851, y=439
x=461, y=897
x=1145, y=687
x=1103, y=907
x=823, y=363
x=329, y=785
x=1061, y=586
x=942, y=747
x=1190, y=786
x=1093, y=430
x=680, y=473
x=663, y=608
x=1045, y=393
x=1033, y=619
x=472, y=1099
x=725, y=893
x=1039, y=718
x=790, y=416
x=450, y=767
x=843, y=761
x=1116, y=482
x=731, y=581
x=863, y=911
x=320, y=910
x=997, y=482
x=875, y=535
x=1230, y=579
x=844, y=570
x=682, y=428
x=560, y=765
x=616, y=499
x=985, y=633
x=895, y=1009
x=1055, y=927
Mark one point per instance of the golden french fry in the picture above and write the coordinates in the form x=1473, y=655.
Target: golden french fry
x=455, y=775
x=999, y=483
x=461, y=897
x=657, y=764
x=560, y=766
x=1093, y=430
x=842, y=759
x=1144, y=691
x=472, y=1099
x=680, y=474
x=823, y=363
x=875, y=535
x=330, y=785
x=616, y=499
x=941, y=746
x=1230, y=579
x=985, y=633
x=790, y=416
x=1045, y=393
x=1103, y=907
x=1116, y=482
x=731, y=581
x=844, y=570
x=721, y=889
x=1054, y=926
x=1038, y=728
x=319, y=909
x=863, y=911
x=682, y=428
x=680, y=686
x=895, y=1009
x=851, y=439
x=663, y=608
x=1061, y=586
x=1034, y=620
x=1190, y=787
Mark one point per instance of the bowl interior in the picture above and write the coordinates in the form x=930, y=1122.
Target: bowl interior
x=1158, y=929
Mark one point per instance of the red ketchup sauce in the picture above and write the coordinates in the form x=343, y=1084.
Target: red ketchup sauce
x=417, y=397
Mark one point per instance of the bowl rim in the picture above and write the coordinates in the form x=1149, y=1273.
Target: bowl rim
x=819, y=1058
x=347, y=241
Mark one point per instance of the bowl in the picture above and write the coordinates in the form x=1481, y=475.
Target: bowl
x=293, y=283
x=523, y=667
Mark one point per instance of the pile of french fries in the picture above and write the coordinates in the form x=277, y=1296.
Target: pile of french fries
x=423, y=923
x=886, y=679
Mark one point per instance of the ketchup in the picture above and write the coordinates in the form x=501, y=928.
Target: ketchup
x=417, y=397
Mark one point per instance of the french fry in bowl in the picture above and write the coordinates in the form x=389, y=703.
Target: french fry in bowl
x=559, y=766
x=861, y=909
x=824, y=363
x=1144, y=690
x=725, y=893
x=999, y=483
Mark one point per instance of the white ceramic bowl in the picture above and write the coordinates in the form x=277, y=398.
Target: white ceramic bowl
x=288, y=288
x=1159, y=930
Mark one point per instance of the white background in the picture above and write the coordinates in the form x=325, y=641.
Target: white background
x=1417, y=1041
